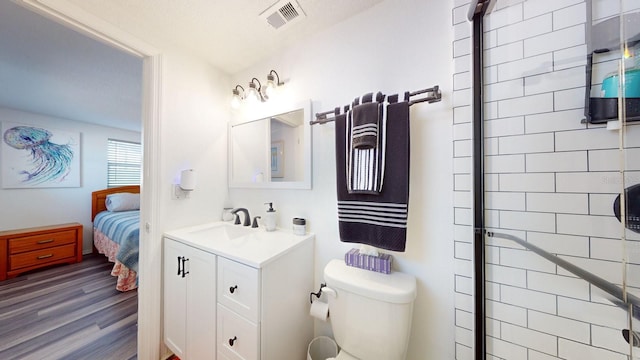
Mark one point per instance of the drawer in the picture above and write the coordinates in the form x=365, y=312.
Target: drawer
x=43, y=256
x=237, y=337
x=238, y=288
x=42, y=241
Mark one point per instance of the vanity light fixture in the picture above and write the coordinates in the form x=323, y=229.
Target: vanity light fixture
x=271, y=84
x=236, y=99
x=256, y=92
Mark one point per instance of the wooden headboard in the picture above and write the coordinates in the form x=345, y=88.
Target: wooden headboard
x=99, y=197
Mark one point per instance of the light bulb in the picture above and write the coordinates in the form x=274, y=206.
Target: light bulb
x=252, y=95
x=270, y=89
x=271, y=85
x=235, y=101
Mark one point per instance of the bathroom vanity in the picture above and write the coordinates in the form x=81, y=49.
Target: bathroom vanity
x=232, y=292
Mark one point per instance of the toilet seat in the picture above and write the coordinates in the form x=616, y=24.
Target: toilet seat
x=343, y=355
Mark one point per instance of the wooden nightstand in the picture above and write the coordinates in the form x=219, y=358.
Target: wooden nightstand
x=24, y=250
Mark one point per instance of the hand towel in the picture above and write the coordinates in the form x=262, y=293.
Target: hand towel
x=377, y=220
x=364, y=128
x=365, y=165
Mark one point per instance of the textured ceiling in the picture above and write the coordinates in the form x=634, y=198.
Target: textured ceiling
x=229, y=33
x=49, y=69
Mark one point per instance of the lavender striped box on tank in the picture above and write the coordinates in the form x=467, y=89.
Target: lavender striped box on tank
x=380, y=263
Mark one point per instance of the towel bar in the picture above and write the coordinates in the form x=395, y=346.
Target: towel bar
x=435, y=95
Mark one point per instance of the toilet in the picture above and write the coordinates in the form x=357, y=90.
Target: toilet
x=370, y=312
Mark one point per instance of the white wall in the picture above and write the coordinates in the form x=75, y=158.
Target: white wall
x=193, y=134
x=49, y=206
x=396, y=46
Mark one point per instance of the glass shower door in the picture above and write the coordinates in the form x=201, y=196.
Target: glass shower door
x=629, y=111
x=562, y=257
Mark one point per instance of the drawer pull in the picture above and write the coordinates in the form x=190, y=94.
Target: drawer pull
x=179, y=257
x=232, y=341
x=46, y=241
x=44, y=256
x=233, y=289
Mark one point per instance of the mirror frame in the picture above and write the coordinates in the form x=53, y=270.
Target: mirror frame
x=261, y=113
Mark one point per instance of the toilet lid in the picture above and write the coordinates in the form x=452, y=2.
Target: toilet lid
x=397, y=287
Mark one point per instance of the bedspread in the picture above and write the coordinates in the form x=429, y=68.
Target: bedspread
x=123, y=228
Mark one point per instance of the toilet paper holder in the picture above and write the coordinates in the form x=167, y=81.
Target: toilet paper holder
x=324, y=287
x=316, y=294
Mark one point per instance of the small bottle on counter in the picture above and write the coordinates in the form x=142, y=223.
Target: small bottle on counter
x=270, y=218
x=226, y=214
x=226, y=210
x=299, y=226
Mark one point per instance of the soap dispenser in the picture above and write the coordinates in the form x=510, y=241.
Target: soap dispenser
x=270, y=218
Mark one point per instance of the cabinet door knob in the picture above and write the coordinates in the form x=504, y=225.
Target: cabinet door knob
x=233, y=289
x=232, y=341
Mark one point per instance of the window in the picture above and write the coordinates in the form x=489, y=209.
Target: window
x=124, y=163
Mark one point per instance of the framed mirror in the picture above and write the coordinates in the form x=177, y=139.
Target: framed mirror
x=271, y=148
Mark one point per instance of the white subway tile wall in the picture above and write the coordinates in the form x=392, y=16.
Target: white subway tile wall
x=549, y=179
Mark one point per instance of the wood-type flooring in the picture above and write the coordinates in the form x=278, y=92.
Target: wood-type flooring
x=68, y=312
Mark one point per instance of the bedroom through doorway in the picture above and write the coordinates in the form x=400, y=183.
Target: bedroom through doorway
x=58, y=15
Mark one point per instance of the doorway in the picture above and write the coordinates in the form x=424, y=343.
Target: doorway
x=149, y=319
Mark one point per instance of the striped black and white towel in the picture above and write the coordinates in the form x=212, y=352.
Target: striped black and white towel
x=378, y=220
x=365, y=164
x=365, y=121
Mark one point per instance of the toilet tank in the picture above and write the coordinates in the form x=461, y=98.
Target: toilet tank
x=371, y=312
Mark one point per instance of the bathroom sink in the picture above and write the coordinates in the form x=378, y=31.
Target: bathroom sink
x=254, y=247
x=221, y=231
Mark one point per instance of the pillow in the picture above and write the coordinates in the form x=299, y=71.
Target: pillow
x=122, y=202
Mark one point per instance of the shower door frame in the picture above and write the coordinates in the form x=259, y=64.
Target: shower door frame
x=477, y=11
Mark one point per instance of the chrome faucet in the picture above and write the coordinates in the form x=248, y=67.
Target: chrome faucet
x=247, y=218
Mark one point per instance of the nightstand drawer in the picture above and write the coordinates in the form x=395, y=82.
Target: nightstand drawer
x=35, y=258
x=42, y=241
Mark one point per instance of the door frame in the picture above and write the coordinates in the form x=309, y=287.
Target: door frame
x=150, y=284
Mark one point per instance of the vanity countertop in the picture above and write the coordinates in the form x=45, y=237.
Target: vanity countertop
x=252, y=247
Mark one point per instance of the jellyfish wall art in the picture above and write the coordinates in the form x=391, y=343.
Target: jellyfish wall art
x=33, y=156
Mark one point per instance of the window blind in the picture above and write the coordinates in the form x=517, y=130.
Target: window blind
x=124, y=163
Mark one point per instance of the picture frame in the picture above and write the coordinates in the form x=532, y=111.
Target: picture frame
x=39, y=157
x=277, y=159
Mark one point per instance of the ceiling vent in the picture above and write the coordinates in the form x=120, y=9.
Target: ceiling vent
x=283, y=13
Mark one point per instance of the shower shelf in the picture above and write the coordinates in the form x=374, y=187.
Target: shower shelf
x=603, y=38
x=602, y=110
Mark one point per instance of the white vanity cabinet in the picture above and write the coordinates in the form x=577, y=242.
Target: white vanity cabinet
x=260, y=302
x=263, y=313
x=189, y=301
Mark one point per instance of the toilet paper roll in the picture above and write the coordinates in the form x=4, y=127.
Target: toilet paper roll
x=319, y=310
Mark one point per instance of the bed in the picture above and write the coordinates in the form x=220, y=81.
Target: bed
x=116, y=234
